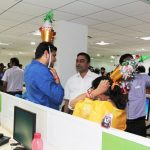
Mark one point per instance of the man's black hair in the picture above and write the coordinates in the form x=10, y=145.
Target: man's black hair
x=102, y=68
x=42, y=47
x=140, y=69
x=149, y=71
x=14, y=61
x=85, y=55
x=123, y=57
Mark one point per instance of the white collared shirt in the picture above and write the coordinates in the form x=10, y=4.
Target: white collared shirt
x=77, y=85
x=14, y=79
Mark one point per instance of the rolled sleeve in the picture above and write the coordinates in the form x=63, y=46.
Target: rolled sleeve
x=5, y=76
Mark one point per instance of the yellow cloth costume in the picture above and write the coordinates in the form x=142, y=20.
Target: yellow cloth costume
x=96, y=110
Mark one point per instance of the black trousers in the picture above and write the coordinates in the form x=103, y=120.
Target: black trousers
x=137, y=126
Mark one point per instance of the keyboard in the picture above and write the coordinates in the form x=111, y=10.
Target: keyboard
x=4, y=140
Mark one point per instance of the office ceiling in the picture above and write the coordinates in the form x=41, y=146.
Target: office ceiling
x=119, y=22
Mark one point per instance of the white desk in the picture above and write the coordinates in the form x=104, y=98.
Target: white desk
x=8, y=147
x=6, y=133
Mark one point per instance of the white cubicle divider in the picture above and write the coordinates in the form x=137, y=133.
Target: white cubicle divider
x=7, y=113
x=72, y=133
x=61, y=131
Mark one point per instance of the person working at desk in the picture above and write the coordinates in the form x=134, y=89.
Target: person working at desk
x=43, y=84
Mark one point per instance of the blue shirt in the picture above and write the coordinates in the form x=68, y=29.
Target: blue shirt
x=41, y=87
x=136, y=106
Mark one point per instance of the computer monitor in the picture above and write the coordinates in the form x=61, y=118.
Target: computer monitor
x=147, y=108
x=24, y=127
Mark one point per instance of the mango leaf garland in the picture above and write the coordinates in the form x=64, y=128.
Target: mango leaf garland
x=144, y=57
x=49, y=17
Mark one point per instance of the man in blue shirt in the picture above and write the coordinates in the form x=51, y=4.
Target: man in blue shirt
x=42, y=84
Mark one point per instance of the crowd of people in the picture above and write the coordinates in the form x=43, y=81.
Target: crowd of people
x=89, y=94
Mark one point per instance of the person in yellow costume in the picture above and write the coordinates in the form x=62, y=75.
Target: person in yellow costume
x=107, y=101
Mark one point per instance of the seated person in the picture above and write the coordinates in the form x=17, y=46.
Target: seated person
x=96, y=110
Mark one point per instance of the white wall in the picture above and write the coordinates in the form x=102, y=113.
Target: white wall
x=98, y=64
x=71, y=38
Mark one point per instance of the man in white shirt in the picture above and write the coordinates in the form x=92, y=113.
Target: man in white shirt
x=13, y=78
x=80, y=82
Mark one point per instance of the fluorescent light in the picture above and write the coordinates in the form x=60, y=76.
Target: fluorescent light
x=102, y=43
x=98, y=55
x=37, y=32
x=3, y=43
x=112, y=57
x=32, y=43
x=92, y=58
x=145, y=38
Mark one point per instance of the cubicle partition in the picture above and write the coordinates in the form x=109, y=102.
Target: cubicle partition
x=65, y=132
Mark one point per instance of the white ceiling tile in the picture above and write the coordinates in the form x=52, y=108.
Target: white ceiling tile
x=106, y=27
x=3, y=28
x=128, y=32
x=58, y=15
x=5, y=4
x=106, y=16
x=125, y=22
x=53, y=4
x=108, y=3
x=86, y=21
x=28, y=9
x=21, y=29
x=143, y=28
x=133, y=9
x=80, y=8
x=37, y=21
x=7, y=22
x=15, y=17
x=144, y=17
x=96, y=33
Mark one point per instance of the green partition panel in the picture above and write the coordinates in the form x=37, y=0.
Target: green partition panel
x=112, y=142
x=0, y=102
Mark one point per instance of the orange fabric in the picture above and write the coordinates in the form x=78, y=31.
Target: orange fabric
x=96, y=110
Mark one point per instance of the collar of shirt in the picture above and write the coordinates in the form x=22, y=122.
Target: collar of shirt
x=38, y=63
x=14, y=67
x=89, y=73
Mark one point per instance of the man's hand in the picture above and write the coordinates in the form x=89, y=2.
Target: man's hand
x=54, y=73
